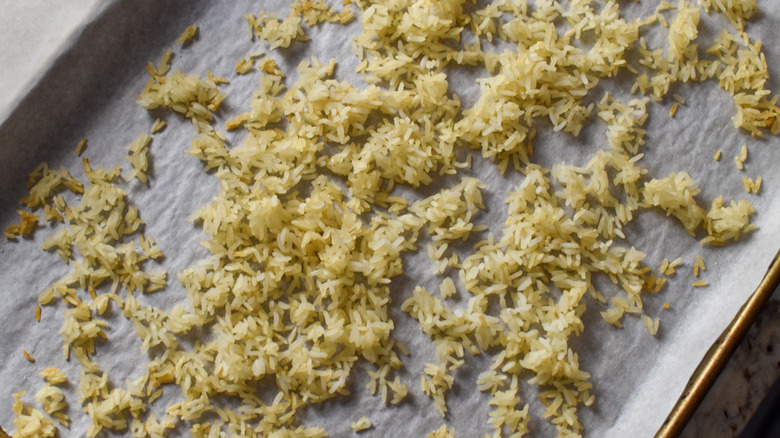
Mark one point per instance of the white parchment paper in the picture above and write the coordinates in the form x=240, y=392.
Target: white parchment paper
x=90, y=92
x=32, y=34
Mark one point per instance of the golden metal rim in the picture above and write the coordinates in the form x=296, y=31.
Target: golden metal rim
x=719, y=354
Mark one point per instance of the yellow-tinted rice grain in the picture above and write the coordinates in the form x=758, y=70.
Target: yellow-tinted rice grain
x=81, y=146
x=158, y=125
x=362, y=424
x=188, y=34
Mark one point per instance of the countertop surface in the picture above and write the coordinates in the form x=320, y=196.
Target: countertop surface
x=744, y=383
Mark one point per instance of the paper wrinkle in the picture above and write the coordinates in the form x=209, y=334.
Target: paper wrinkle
x=34, y=33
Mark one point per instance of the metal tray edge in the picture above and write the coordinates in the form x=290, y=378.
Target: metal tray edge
x=719, y=354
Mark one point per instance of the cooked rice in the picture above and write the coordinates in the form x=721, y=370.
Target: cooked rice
x=441, y=432
x=81, y=146
x=362, y=424
x=307, y=233
x=189, y=33
x=29, y=422
x=751, y=185
x=54, y=376
x=244, y=65
x=158, y=125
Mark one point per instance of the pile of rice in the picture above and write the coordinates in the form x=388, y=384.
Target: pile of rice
x=307, y=231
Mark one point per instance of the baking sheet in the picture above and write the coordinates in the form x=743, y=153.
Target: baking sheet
x=90, y=92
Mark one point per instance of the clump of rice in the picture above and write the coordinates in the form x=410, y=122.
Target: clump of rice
x=441, y=432
x=158, y=126
x=698, y=266
x=737, y=11
x=187, y=36
x=362, y=424
x=277, y=32
x=752, y=185
x=683, y=28
x=54, y=376
x=188, y=95
x=724, y=223
x=651, y=324
x=53, y=401
x=447, y=288
x=244, y=65
x=30, y=422
x=675, y=195
x=669, y=268
x=740, y=159
x=138, y=156
x=25, y=227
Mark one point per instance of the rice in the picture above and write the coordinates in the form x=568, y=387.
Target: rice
x=189, y=33
x=244, y=65
x=54, y=376
x=361, y=425
x=159, y=125
x=307, y=231
x=725, y=223
x=138, y=156
x=650, y=324
x=30, y=422
x=53, y=401
x=441, y=432
x=683, y=29
x=751, y=185
x=447, y=288
x=25, y=227
x=28, y=356
x=675, y=195
x=737, y=11
x=81, y=146
x=739, y=160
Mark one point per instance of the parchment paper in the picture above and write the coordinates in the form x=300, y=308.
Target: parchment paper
x=32, y=35
x=90, y=92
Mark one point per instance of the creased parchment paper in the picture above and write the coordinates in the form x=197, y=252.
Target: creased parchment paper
x=90, y=92
x=32, y=35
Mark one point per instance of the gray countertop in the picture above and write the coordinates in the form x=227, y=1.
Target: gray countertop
x=743, y=384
